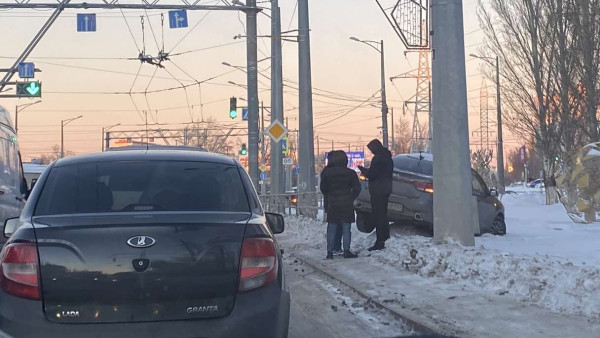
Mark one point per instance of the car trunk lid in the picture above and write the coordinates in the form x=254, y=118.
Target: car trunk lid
x=136, y=267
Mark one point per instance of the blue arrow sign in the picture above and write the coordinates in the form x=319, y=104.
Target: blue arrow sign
x=263, y=175
x=245, y=114
x=178, y=19
x=86, y=22
x=26, y=70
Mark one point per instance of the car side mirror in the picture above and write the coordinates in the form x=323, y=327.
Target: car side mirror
x=10, y=226
x=275, y=222
x=494, y=192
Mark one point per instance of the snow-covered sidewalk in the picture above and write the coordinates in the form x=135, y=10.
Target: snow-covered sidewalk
x=536, y=280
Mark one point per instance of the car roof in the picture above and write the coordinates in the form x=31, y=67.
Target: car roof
x=148, y=155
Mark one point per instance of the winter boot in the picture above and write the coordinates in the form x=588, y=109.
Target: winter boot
x=377, y=246
x=349, y=254
x=329, y=255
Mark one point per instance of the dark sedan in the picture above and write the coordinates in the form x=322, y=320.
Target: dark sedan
x=412, y=196
x=143, y=244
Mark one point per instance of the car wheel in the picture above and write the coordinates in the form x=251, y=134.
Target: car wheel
x=498, y=226
x=363, y=223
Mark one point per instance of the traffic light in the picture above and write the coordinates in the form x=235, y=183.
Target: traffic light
x=29, y=89
x=244, y=150
x=233, y=108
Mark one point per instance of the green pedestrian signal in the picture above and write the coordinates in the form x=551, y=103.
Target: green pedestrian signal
x=244, y=150
x=29, y=89
x=233, y=108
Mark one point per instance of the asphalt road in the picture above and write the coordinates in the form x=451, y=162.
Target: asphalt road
x=322, y=308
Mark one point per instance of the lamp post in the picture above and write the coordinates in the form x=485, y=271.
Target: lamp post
x=63, y=123
x=105, y=139
x=500, y=150
x=378, y=46
x=21, y=108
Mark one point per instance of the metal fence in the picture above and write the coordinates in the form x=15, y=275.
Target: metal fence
x=293, y=203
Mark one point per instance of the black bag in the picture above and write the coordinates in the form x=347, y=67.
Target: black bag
x=364, y=222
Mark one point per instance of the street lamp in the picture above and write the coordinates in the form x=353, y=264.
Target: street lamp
x=22, y=107
x=378, y=46
x=105, y=139
x=500, y=156
x=63, y=123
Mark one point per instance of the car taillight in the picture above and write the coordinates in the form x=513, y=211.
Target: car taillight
x=19, y=270
x=424, y=186
x=258, y=263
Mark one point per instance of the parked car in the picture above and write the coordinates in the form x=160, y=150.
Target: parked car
x=539, y=183
x=13, y=187
x=412, y=196
x=143, y=244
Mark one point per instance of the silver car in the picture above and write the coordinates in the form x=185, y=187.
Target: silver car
x=412, y=197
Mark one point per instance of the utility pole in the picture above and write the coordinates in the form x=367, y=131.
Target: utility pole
x=393, y=143
x=384, y=106
x=500, y=156
x=306, y=144
x=500, y=150
x=263, y=143
x=106, y=136
x=63, y=123
x=277, y=183
x=19, y=109
x=453, y=209
x=378, y=46
x=252, y=83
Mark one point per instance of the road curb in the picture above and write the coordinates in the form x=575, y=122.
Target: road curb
x=413, y=323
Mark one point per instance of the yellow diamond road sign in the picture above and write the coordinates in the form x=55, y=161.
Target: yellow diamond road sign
x=277, y=131
x=262, y=167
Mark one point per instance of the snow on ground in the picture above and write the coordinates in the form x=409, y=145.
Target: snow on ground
x=535, y=262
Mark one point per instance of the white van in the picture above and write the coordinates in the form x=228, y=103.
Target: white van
x=13, y=187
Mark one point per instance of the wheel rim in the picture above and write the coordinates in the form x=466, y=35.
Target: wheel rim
x=498, y=227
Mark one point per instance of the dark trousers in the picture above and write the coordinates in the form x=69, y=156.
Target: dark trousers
x=332, y=230
x=379, y=208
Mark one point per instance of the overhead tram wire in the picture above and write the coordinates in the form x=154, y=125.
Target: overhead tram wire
x=346, y=113
x=129, y=28
x=152, y=30
x=131, y=96
x=184, y=91
x=192, y=29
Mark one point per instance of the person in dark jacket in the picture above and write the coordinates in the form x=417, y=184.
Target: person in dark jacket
x=380, y=187
x=340, y=186
x=336, y=158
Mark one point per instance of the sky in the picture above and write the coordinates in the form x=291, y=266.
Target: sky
x=91, y=73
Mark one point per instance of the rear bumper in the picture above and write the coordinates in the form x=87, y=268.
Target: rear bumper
x=413, y=210
x=260, y=313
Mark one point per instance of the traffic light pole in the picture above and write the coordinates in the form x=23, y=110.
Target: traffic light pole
x=252, y=82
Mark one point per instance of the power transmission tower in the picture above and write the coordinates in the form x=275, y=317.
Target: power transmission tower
x=485, y=131
x=422, y=102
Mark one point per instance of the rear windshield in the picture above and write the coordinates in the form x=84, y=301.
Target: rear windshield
x=127, y=186
x=414, y=165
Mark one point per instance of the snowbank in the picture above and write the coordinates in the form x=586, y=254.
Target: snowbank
x=533, y=263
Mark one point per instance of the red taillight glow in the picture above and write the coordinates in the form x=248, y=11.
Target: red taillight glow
x=19, y=271
x=424, y=186
x=258, y=264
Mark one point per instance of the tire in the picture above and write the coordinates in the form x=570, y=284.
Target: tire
x=363, y=223
x=498, y=226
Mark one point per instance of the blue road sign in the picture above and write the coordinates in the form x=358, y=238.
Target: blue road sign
x=297, y=169
x=178, y=19
x=284, y=147
x=26, y=70
x=245, y=114
x=86, y=22
x=263, y=175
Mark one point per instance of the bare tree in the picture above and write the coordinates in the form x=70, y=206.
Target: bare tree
x=586, y=22
x=520, y=33
x=402, y=136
